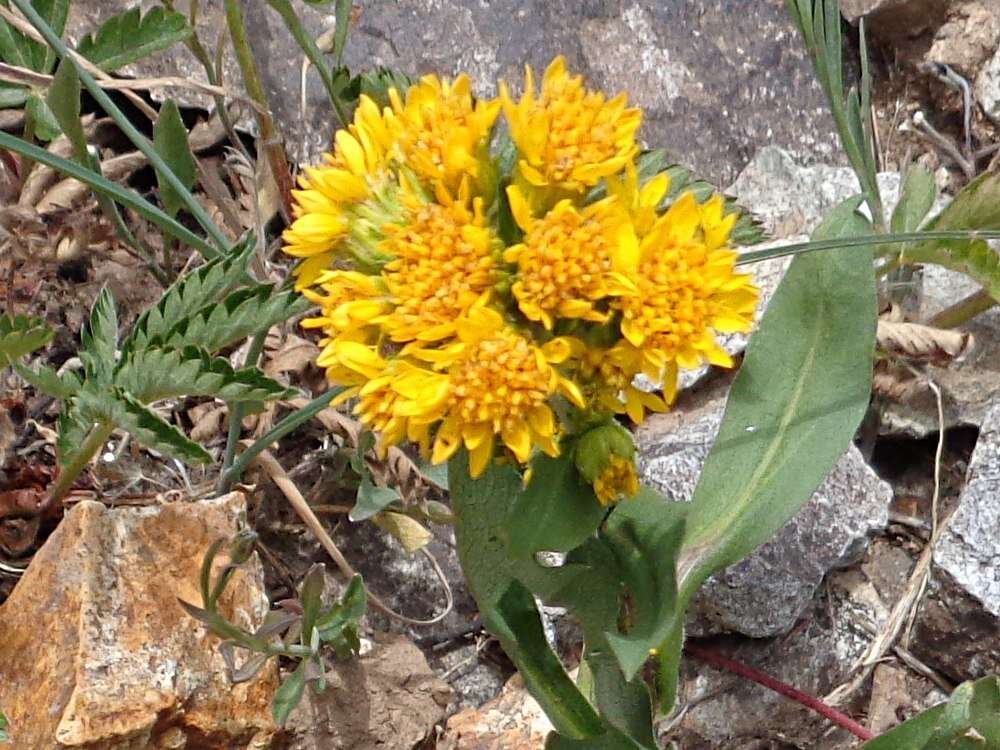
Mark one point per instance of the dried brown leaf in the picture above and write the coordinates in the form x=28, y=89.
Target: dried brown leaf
x=923, y=343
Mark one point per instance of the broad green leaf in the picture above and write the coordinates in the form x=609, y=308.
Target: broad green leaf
x=436, y=473
x=49, y=382
x=99, y=339
x=64, y=102
x=372, y=500
x=289, y=694
x=130, y=36
x=170, y=138
x=15, y=48
x=516, y=623
x=241, y=314
x=970, y=720
x=118, y=407
x=915, y=200
x=557, y=511
x=793, y=409
x=19, y=336
x=41, y=118
x=977, y=206
x=155, y=373
x=191, y=293
x=346, y=613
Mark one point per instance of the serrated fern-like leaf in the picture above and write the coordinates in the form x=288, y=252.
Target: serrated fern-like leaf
x=242, y=314
x=99, y=340
x=155, y=373
x=20, y=335
x=49, y=382
x=130, y=36
x=190, y=294
x=72, y=428
x=121, y=409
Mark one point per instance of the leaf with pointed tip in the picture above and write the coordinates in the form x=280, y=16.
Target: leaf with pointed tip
x=99, y=340
x=156, y=373
x=19, y=336
x=915, y=200
x=289, y=694
x=372, y=500
x=64, y=101
x=49, y=382
x=72, y=429
x=191, y=293
x=170, y=139
x=311, y=597
x=42, y=119
x=120, y=408
x=131, y=36
x=241, y=314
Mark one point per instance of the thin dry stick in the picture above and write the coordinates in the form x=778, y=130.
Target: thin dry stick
x=905, y=610
x=298, y=502
x=28, y=30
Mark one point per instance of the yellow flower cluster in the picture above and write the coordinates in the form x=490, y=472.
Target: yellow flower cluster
x=474, y=300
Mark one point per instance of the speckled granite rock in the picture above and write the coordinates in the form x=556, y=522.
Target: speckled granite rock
x=958, y=630
x=97, y=653
x=765, y=594
x=718, y=78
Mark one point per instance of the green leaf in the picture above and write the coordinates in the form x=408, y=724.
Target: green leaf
x=289, y=694
x=155, y=373
x=4, y=726
x=130, y=36
x=516, y=623
x=557, y=511
x=19, y=336
x=12, y=96
x=45, y=124
x=311, y=598
x=170, y=138
x=794, y=407
x=915, y=200
x=970, y=720
x=376, y=84
x=977, y=206
x=99, y=339
x=49, y=382
x=435, y=473
x=72, y=429
x=120, y=408
x=241, y=314
x=64, y=102
x=15, y=48
x=102, y=185
x=372, y=500
x=191, y=293
x=344, y=615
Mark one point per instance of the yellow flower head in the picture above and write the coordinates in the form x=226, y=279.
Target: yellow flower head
x=688, y=289
x=568, y=136
x=607, y=379
x=444, y=133
x=491, y=383
x=618, y=481
x=329, y=206
x=443, y=264
x=570, y=259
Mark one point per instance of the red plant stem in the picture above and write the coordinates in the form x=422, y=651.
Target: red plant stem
x=809, y=701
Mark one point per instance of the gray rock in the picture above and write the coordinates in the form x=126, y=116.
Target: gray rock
x=960, y=619
x=988, y=87
x=895, y=18
x=718, y=78
x=765, y=594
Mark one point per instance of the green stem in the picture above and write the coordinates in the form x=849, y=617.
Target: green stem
x=755, y=256
x=284, y=427
x=308, y=45
x=270, y=139
x=238, y=410
x=141, y=142
x=102, y=185
x=94, y=441
x=964, y=311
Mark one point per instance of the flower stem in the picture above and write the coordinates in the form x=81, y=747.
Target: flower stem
x=94, y=441
x=964, y=311
x=771, y=683
x=270, y=138
x=285, y=426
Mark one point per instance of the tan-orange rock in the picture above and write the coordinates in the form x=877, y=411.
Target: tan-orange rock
x=511, y=721
x=96, y=653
